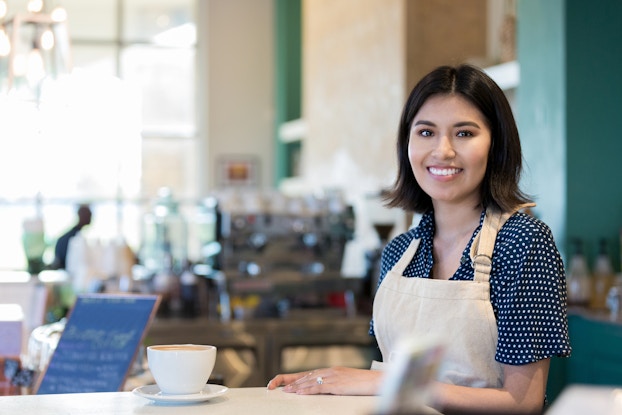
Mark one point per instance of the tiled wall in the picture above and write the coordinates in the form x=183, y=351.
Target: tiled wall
x=353, y=76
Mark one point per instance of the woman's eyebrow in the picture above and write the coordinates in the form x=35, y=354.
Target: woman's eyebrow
x=458, y=124
x=424, y=122
x=467, y=124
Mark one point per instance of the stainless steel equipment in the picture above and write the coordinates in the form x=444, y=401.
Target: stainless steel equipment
x=287, y=253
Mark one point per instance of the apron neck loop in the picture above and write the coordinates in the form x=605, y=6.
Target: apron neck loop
x=484, y=243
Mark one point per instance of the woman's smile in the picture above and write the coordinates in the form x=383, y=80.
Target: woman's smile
x=444, y=171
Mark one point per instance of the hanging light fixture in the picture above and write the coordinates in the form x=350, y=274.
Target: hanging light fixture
x=34, y=45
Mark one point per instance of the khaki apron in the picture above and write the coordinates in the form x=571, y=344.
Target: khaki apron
x=459, y=312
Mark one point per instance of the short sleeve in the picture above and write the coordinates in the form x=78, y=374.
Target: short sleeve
x=528, y=293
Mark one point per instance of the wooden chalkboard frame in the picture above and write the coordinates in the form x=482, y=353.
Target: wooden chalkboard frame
x=99, y=343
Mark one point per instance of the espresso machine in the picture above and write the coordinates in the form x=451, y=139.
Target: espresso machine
x=285, y=253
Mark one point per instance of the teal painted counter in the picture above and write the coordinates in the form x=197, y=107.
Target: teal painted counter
x=596, y=358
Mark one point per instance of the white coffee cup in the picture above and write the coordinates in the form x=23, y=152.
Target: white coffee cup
x=181, y=369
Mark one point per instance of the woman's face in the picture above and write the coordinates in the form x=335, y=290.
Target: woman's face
x=448, y=149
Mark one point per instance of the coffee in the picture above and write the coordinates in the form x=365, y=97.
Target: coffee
x=186, y=347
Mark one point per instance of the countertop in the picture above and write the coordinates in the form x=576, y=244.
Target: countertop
x=575, y=400
x=257, y=401
x=588, y=400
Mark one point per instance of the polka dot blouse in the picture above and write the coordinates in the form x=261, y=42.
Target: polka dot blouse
x=527, y=285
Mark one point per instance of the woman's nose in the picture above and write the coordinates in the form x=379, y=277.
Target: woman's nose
x=444, y=148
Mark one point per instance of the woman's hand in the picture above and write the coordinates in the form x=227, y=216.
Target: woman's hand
x=334, y=381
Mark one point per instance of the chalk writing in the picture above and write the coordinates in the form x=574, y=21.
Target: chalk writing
x=99, y=343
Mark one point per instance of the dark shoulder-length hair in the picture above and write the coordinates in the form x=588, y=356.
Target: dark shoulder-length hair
x=500, y=189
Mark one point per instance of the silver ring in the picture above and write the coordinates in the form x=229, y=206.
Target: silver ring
x=319, y=380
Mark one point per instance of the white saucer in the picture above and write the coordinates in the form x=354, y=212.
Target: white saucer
x=153, y=392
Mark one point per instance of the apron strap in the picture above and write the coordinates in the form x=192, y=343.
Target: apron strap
x=409, y=254
x=484, y=242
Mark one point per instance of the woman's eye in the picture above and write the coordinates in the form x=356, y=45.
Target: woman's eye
x=425, y=133
x=464, y=133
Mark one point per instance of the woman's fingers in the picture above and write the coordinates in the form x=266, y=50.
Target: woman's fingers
x=311, y=383
x=287, y=379
x=333, y=380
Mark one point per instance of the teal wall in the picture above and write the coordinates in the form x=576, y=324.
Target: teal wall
x=540, y=108
x=594, y=114
x=288, y=81
x=568, y=106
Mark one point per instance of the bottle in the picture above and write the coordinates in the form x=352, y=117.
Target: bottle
x=579, y=284
x=164, y=236
x=603, y=276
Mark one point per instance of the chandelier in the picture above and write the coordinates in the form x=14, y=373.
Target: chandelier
x=34, y=45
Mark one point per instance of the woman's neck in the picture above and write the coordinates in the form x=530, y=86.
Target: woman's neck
x=452, y=222
x=453, y=229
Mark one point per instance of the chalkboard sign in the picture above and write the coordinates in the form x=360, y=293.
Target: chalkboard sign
x=99, y=343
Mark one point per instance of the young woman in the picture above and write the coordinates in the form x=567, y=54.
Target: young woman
x=475, y=270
